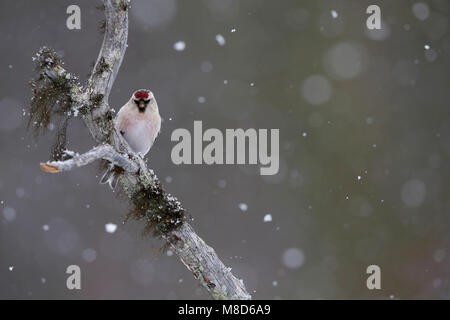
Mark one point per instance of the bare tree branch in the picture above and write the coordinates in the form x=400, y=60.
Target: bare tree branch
x=206, y=266
x=160, y=210
x=105, y=152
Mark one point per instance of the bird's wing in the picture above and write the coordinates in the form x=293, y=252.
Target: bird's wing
x=122, y=122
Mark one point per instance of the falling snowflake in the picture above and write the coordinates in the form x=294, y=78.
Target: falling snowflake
x=268, y=218
x=9, y=214
x=221, y=183
x=110, y=227
x=220, y=40
x=243, y=207
x=293, y=258
x=179, y=45
x=201, y=99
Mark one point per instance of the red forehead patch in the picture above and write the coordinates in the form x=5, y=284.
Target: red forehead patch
x=141, y=94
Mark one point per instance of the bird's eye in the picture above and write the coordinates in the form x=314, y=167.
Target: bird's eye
x=136, y=101
x=147, y=101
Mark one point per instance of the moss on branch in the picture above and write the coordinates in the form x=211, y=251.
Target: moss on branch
x=51, y=105
x=149, y=202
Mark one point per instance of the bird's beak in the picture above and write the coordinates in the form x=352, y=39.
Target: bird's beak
x=141, y=104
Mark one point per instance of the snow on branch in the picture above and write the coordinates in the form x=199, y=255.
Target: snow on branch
x=57, y=94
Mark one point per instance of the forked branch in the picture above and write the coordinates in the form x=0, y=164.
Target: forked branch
x=58, y=92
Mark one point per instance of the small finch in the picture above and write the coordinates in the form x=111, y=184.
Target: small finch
x=139, y=123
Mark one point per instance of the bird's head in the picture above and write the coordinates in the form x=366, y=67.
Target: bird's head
x=142, y=98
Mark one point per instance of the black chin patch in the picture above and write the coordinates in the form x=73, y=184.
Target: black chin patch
x=141, y=102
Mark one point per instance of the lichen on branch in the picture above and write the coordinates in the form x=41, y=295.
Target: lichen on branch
x=51, y=105
x=161, y=212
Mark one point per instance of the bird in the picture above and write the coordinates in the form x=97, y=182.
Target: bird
x=139, y=122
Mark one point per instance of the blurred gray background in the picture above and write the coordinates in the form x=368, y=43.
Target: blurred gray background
x=364, y=146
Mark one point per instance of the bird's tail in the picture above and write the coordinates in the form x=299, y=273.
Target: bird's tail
x=110, y=177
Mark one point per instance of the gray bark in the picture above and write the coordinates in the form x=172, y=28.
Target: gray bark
x=105, y=152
